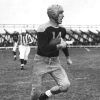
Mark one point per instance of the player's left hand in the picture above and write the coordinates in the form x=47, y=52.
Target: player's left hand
x=69, y=61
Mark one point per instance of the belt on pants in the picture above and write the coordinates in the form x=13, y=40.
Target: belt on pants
x=49, y=60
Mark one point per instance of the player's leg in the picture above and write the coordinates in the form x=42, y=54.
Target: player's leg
x=14, y=50
x=21, y=55
x=61, y=78
x=38, y=70
x=27, y=51
x=36, y=86
x=62, y=81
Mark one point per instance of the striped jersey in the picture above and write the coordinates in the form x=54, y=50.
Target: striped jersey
x=25, y=39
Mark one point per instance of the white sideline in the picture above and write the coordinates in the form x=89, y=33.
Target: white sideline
x=72, y=46
x=12, y=47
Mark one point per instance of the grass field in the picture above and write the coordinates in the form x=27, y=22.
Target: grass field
x=84, y=75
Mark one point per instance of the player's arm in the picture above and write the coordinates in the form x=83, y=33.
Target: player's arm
x=19, y=39
x=65, y=49
x=8, y=33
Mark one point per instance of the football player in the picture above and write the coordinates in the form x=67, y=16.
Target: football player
x=15, y=36
x=24, y=42
x=51, y=39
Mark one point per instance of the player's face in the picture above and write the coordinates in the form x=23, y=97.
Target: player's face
x=60, y=17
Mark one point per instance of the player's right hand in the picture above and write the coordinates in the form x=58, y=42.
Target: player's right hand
x=62, y=44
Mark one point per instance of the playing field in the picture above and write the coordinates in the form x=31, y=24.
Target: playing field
x=84, y=75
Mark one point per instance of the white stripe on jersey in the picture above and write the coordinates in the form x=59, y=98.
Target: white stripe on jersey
x=25, y=39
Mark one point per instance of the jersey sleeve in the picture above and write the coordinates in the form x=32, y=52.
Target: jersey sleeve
x=65, y=50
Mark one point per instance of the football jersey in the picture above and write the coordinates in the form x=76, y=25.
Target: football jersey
x=25, y=39
x=15, y=37
x=45, y=34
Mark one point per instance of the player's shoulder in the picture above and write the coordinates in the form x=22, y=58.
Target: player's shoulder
x=43, y=27
x=62, y=26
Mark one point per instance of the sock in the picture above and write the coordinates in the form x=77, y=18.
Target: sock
x=14, y=52
x=22, y=65
x=22, y=62
x=14, y=56
x=48, y=93
x=25, y=62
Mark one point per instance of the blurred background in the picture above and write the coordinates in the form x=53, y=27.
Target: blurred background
x=81, y=19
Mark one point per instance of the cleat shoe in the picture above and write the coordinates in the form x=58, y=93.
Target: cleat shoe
x=35, y=97
x=35, y=94
x=43, y=97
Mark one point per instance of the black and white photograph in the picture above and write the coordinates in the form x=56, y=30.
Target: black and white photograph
x=49, y=50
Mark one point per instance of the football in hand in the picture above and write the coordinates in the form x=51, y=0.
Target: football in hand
x=55, y=41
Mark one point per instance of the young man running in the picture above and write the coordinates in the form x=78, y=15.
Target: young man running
x=51, y=39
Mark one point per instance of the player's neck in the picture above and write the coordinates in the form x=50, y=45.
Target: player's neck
x=53, y=23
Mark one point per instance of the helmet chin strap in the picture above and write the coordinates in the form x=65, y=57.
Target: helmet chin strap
x=56, y=20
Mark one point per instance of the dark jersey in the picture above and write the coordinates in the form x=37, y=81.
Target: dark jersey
x=15, y=37
x=45, y=34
